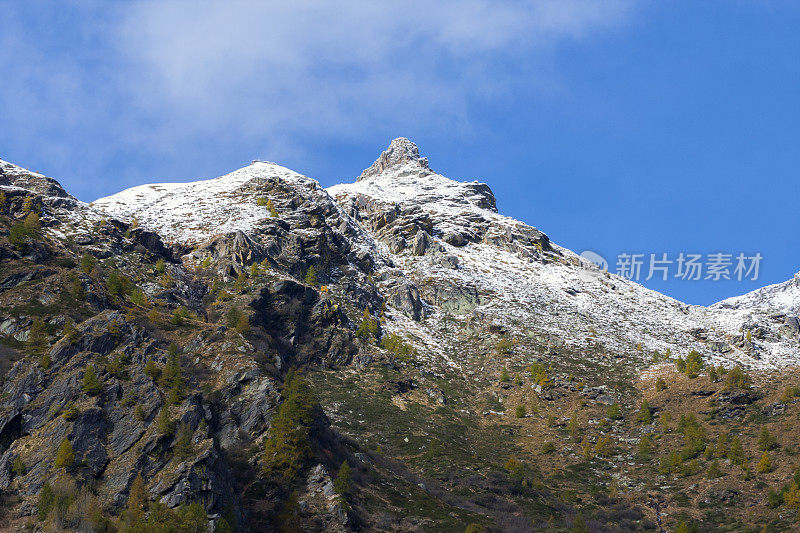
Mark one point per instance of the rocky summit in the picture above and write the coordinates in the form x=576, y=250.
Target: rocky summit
x=257, y=353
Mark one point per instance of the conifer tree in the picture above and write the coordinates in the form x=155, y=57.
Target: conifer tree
x=241, y=282
x=233, y=317
x=735, y=452
x=45, y=502
x=271, y=208
x=765, y=464
x=137, y=495
x=311, y=276
x=694, y=364
x=152, y=370
x=70, y=332
x=172, y=376
x=183, y=445
x=33, y=224
x=504, y=375
x=572, y=427
x=88, y=263
x=37, y=338
x=139, y=298
x=645, y=415
x=288, y=446
x=766, y=440
x=164, y=423
x=343, y=481
x=714, y=470
x=91, y=385
x=65, y=457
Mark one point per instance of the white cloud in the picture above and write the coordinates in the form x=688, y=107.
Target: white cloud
x=340, y=68
x=163, y=77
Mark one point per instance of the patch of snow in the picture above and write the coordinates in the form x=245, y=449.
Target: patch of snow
x=779, y=298
x=193, y=212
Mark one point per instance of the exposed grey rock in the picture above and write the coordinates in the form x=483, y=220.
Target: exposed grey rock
x=6, y=461
x=454, y=238
x=721, y=347
x=8, y=326
x=203, y=478
x=738, y=397
x=96, y=337
x=11, y=174
x=396, y=244
x=87, y=438
x=436, y=395
x=775, y=409
x=151, y=242
x=301, y=326
x=484, y=194
x=15, y=279
x=455, y=299
x=405, y=297
x=421, y=243
x=720, y=495
x=605, y=399
x=318, y=498
x=400, y=151
x=237, y=250
x=443, y=259
x=126, y=429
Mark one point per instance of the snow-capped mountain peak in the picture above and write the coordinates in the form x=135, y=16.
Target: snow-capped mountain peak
x=401, y=152
x=451, y=248
x=449, y=238
x=400, y=175
x=195, y=211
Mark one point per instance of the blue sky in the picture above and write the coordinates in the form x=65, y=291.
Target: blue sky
x=621, y=126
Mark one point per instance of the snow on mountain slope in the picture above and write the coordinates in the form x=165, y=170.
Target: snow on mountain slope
x=56, y=202
x=12, y=175
x=519, y=277
x=439, y=248
x=779, y=298
x=193, y=212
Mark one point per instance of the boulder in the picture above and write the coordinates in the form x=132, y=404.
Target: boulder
x=405, y=297
x=421, y=243
x=152, y=242
x=454, y=238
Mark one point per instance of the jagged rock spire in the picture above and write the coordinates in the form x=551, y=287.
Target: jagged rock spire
x=399, y=152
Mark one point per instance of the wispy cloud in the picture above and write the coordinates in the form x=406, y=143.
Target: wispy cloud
x=169, y=74
x=323, y=66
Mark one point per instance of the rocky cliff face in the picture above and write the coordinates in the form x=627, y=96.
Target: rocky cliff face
x=112, y=299
x=423, y=234
x=153, y=331
x=444, y=234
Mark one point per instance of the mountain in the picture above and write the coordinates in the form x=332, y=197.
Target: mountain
x=216, y=351
x=446, y=241
x=779, y=298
